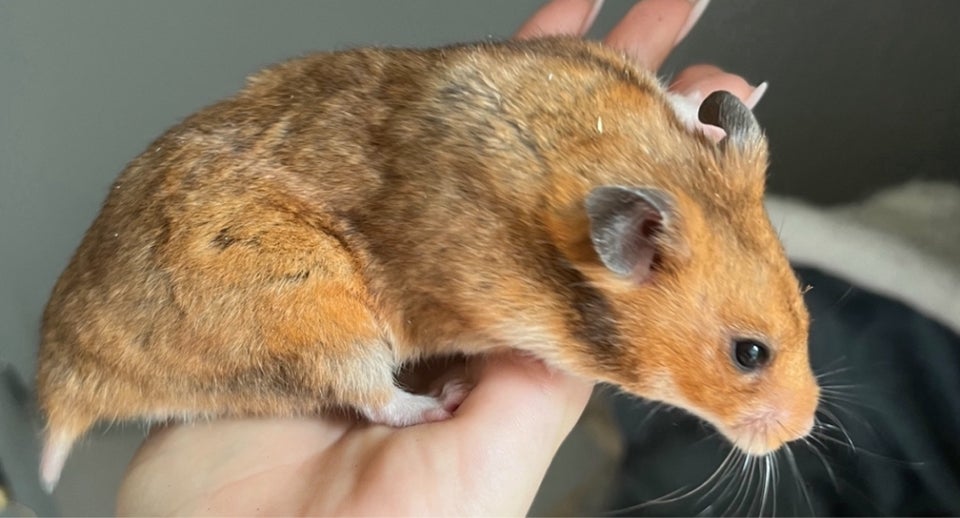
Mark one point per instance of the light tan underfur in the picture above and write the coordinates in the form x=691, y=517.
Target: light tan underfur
x=284, y=250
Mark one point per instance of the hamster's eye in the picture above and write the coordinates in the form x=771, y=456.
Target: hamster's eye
x=750, y=355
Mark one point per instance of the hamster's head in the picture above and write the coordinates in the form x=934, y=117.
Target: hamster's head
x=709, y=314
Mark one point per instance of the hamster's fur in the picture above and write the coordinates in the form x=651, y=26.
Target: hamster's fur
x=284, y=251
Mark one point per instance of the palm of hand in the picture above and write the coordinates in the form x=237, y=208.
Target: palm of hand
x=312, y=466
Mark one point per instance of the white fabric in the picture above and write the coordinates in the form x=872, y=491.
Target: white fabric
x=903, y=243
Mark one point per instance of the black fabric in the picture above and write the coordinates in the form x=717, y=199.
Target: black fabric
x=904, y=422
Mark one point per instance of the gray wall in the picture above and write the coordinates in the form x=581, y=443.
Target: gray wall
x=864, y=93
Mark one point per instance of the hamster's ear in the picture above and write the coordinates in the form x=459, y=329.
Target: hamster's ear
x=631, y=227
x=724, y=110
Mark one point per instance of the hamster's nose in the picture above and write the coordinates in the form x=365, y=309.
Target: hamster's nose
x=766, y=430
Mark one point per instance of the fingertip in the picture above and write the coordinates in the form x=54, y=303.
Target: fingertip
x=701, y=80
x=754, y=98
x=699, y=6
x=592, y=16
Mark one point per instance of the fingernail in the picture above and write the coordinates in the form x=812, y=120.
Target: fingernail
x=699, y=6
x=592, y=17
x=756, y=95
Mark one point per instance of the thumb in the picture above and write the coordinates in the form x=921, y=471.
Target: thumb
x=512, y=424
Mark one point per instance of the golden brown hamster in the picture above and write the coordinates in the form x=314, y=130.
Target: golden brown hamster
x=284, y=251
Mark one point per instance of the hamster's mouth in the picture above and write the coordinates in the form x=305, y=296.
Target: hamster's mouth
x=766, y=431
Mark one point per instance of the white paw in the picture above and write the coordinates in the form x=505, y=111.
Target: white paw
x=407, y=409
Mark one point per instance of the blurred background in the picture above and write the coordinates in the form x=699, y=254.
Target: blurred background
x=863, y=116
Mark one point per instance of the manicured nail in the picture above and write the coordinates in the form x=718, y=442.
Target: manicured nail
x=756, y=95
x=699, y=6
x=592, y=17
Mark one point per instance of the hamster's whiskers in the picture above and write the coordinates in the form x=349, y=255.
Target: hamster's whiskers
x=815, y=444
x=821, y=433
x=830, y=369
x=798, y=477
x=748, y=483
x=716, y=479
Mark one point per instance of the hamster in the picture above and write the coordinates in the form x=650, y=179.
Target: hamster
x=283, y=252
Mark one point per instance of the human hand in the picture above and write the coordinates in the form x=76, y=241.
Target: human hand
x=488, y=460
x=647, y=33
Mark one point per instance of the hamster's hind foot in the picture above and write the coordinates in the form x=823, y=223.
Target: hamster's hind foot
x=406, y=409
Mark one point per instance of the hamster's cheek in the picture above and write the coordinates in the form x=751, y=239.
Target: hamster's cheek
x=659, y=385
x=672, y=386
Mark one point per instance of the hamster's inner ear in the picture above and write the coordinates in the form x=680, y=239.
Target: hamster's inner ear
x=631, y=227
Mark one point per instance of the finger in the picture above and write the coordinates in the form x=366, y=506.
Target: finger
x=702, y=80
x=561, y=17
x=510, y=427
x=695, y=83
x=650, y=30
x=699, y=6
x=525, y=392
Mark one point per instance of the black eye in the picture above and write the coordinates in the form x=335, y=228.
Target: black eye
x=750, y=355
